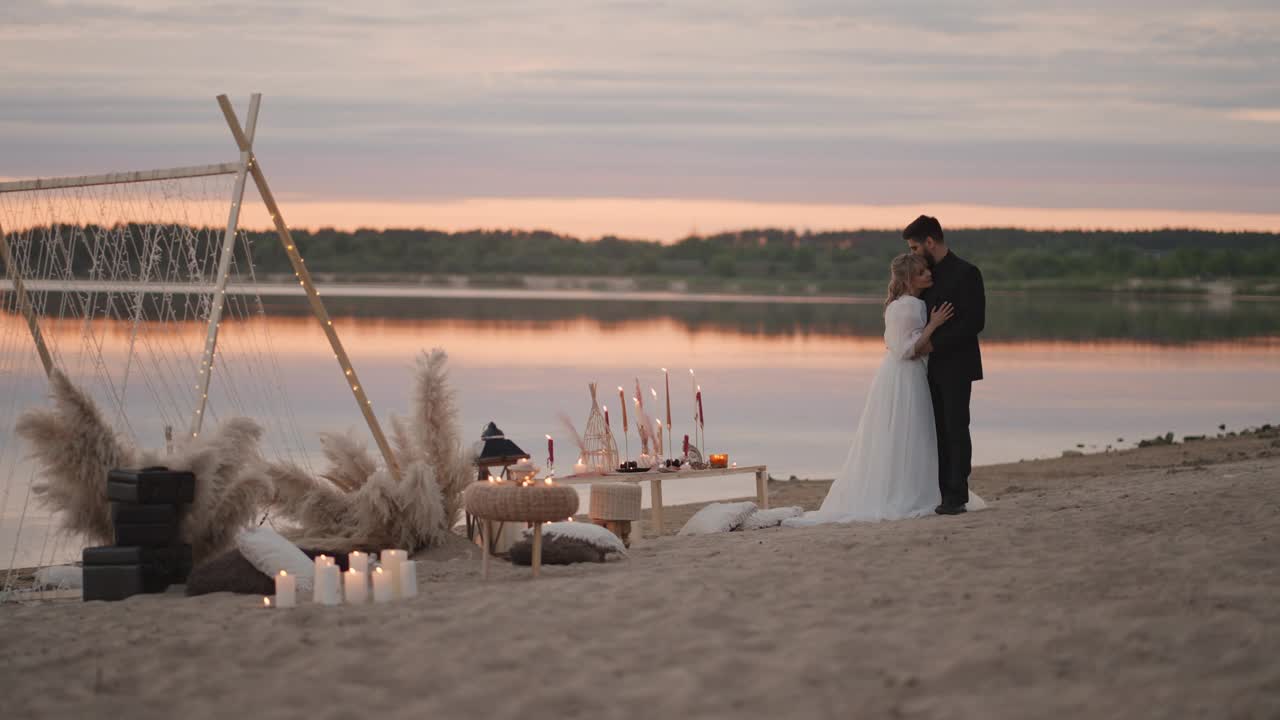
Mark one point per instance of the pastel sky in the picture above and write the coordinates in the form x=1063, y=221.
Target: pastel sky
x=656, y=118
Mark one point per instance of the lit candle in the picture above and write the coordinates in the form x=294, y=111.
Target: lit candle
x=328, y=584
x=286, y=590
x=701, y=418
x=622, y=400
x=667, y=376
x=355, y=586
x=579, y=467
x=391, y=560
x=686, y=445
x=408, y=579
x=266, y=601
x=358, y=561
x=551, y=452
x=606, y=417
x=658, y=424
x=384, y=589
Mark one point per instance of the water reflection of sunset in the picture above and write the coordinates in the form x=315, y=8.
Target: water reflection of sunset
x=655, y=342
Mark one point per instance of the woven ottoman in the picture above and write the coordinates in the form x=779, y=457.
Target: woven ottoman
x=616, y=506
x=505, y=501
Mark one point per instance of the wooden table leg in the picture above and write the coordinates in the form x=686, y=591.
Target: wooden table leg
x=537, y=548
x=762, y=488
x=484, y=549
x=655, y=499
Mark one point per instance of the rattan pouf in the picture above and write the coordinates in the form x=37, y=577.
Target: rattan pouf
x=505, y=501
x=616, y=506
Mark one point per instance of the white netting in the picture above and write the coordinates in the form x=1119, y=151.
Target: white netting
x=121, y=279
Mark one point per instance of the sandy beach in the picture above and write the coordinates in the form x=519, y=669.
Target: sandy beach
x=1141, y=583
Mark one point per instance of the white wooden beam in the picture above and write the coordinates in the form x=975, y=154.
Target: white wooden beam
x=24, y=304
x=119, y=178
x=304, y=279
x=224, y=269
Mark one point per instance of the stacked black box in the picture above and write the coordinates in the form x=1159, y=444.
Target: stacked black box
x=146, y=507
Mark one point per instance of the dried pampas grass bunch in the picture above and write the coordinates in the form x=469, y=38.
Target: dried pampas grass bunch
x=354, y=504
x=76, y=448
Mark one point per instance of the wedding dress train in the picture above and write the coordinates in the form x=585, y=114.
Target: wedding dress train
x=891, y=471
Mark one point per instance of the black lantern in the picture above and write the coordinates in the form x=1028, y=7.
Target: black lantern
x=494, y=450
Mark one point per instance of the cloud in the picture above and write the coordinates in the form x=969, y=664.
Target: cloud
x=1260, y=115
x=1092, y=104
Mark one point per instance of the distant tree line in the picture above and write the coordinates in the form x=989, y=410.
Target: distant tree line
x=764, y=259
x=831, y=260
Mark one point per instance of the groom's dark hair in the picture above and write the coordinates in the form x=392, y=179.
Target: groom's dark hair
x=924, y=227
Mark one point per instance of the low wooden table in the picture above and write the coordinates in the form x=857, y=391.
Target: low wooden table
x=655, y=478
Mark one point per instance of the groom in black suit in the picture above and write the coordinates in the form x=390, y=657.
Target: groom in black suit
x=955, y=361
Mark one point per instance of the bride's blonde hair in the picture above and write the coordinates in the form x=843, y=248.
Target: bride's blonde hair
x=900, y=272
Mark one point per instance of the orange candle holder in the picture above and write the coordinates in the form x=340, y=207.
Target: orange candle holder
x=719, y=460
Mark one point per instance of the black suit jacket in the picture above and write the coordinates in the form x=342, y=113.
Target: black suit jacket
x=956, y=356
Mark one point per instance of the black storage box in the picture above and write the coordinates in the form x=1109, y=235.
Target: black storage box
x=151, y=486
x=124, y=513
x=117, y=582
x=116, y=572
x=146, y=535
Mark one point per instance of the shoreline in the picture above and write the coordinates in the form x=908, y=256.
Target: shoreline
x=1099, y=586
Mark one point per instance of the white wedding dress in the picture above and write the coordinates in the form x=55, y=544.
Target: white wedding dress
x=892, y=468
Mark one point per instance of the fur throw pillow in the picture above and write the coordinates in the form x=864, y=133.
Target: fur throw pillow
x=595, y=535
x=718, y=518
x=770, y=518
x=270, y=552
x=556, y=551
x=568, y=542
x=229, y=571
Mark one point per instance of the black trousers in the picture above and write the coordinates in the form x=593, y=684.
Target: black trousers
x=955, y=449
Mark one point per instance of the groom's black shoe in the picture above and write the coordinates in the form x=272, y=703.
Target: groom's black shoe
x=950, y=509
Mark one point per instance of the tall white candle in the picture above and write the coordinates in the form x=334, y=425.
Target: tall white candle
x=355, y=586
x=384, y=589
x=328, y=590
x=408, y=579
x=286, y=590
x=391, y=560
x=359, y=561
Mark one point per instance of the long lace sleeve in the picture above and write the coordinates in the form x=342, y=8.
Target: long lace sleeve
x=904, y=322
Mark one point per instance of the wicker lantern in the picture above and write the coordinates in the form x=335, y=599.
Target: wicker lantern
x=599, y=449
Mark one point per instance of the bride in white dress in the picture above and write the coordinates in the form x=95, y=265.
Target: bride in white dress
x=892, y=469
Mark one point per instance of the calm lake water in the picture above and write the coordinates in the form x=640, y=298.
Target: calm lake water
x=783, y=383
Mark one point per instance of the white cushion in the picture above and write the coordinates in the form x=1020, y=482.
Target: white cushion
x=718, y=518
x=594, y=535
x=269, y=552
x=762, y=519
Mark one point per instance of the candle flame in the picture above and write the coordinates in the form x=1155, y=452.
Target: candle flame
x=655, y=393
x=266, y=602
x=548, y=481
x=664, y=369
x=548, y=437
x=283, y=573
x=379, y=571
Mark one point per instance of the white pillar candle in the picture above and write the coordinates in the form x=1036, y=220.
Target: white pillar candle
x=328, y=589
x=384, y=589
x=391, y=561
x=359, y=561
x=408, y=579
x=355, y=586
x=286, y=590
